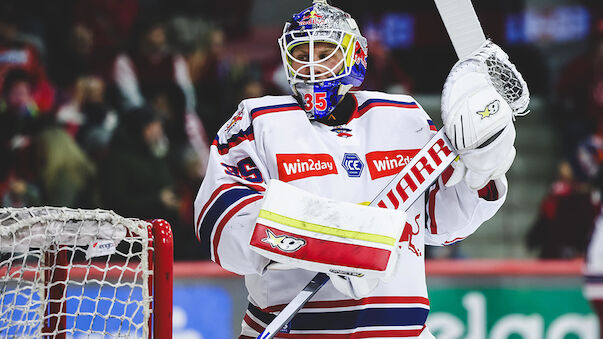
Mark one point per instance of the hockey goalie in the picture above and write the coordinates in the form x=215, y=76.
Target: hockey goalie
x=289, y=176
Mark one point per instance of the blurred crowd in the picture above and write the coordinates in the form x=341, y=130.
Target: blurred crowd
x=113, y=104
x=567, y=215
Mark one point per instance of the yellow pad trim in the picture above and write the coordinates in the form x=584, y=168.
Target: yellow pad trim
x=303, y=225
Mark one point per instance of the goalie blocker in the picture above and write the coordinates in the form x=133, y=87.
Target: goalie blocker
x=306, y=231
x=295, y=227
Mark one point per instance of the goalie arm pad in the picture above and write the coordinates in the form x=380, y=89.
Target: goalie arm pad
x=303, y=230
x=227, y=204
x=456, y=212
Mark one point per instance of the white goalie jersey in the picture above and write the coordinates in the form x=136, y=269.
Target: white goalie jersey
x=271, y=138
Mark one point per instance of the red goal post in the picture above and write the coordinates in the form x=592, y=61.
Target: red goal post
x=69, y=272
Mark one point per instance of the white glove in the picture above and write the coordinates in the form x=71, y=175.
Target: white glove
x=481, y=165
x=482, y=95
x=354, y=287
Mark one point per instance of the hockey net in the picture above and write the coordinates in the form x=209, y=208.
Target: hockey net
x=67, y=273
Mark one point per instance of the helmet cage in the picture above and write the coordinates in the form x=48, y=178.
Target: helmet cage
x=316, y=69
x=319, y=85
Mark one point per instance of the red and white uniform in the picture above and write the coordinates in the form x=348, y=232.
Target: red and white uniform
x=593, y=287
x=271, y=137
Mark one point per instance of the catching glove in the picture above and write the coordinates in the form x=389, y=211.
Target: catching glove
x=481, y=98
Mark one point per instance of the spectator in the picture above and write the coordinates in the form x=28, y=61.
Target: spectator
x=20, y=121
x=76, y=58
x=566, y=215
x=19, y=124
x=183, y=128
x=66, y=175
x=17, y=192
x=106, y=24
x=209, y=71
x=88, y=117
x=136, y=178
x=188, y=151
x=16, y=53
x=148, y=65
x=579, y=94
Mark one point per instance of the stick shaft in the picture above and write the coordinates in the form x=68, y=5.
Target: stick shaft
x=462, y=25
x=294, y=306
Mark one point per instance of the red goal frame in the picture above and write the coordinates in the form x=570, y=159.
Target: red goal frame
x=161, y=262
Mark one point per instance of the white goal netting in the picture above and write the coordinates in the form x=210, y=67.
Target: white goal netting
x=67, y=273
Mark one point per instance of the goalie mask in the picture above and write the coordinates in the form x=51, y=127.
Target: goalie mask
x=324, y=55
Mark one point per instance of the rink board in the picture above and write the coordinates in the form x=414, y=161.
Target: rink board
x=477, y=299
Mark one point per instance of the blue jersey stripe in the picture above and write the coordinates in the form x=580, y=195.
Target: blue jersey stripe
x=373, y=101
x=272, y=109
x=343, y=320
x=221, y=204
x=264, y=317
x=233, y=140
x=594, y=279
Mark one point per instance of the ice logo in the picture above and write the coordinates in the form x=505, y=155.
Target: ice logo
x=283, y=242
x=352, y=164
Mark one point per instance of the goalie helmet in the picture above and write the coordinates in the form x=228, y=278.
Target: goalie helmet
x=318, y=83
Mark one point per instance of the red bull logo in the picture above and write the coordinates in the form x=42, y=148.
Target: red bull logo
x=359, y=55
x=311, y=18
x=408, y=233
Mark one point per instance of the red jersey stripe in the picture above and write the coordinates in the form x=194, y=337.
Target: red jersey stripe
x=352, y=302
x=433, y=226
x=382, y=103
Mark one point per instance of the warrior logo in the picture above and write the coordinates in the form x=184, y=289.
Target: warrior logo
x=407, y=235
x=283, y=242
x=490, y=109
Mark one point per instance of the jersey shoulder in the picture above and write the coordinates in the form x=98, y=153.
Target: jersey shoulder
x=367, y=99
x=362, y=96
x=266, y=105
x=250, y=109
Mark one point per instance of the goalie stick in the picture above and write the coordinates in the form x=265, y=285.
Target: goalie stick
x=466, y=34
